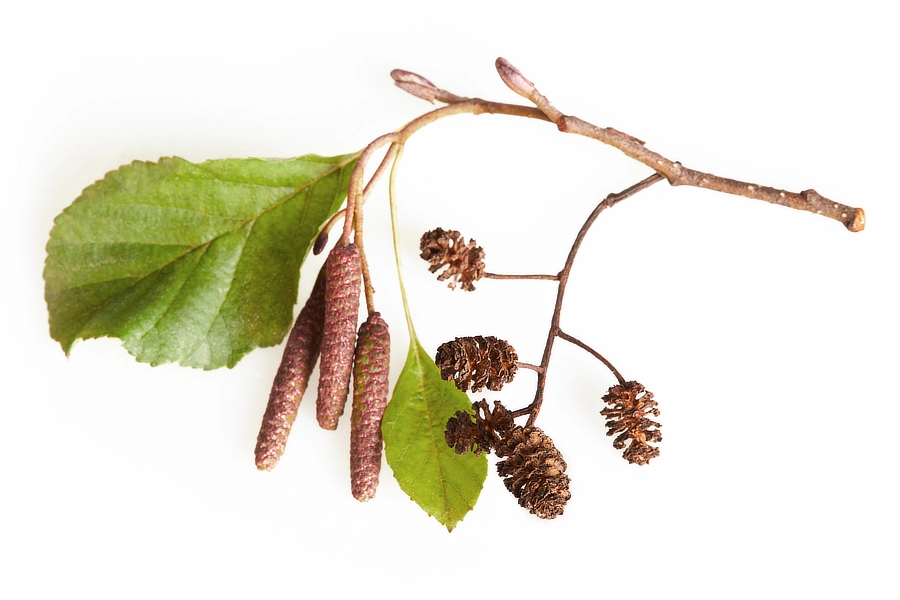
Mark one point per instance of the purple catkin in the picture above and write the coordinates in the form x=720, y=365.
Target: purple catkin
x=342, y=288
x=297, y=362
x=370, y=392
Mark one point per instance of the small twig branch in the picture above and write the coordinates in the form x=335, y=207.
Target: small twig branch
x=611, y=200
x=525, y=365
x=499, y=276
x=854, y=219
x=593, y=353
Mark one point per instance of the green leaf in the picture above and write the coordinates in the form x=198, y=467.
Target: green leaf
x=194, y=263
x=445, y=484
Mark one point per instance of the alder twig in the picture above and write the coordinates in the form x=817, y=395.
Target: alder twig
x=854, y=219
x=487, y=275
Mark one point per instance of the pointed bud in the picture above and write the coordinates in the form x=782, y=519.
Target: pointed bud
x=414, y=84
x=297, y=362
x=513, y=78
x=342, y=289
x=370, y=394
x=320, y=243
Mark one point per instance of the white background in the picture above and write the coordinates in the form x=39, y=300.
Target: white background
x=769, y=336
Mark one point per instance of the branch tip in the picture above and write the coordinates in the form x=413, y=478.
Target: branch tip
x=859, y=221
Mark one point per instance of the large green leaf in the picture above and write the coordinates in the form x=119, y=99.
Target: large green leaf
x=445, y=484
x=194, y=263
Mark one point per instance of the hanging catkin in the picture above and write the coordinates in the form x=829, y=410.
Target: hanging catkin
x=370, y=393
x=297, y=362
x=342, y=289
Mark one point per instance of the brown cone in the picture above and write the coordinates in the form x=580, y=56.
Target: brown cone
x=464, y=261
x=476, y=362
x=627, y=414
x=534, y=472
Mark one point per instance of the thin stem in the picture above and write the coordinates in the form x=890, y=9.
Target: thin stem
x=395, y=230
x=535, y=407
x=499, y=276
x=355, y=185
x=358, y=237
x=525, y=365
x=593, y=352
x=364, y=263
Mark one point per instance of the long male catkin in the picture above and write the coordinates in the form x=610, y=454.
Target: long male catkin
x=342, y=289
x=370, y=393
x=297, y=362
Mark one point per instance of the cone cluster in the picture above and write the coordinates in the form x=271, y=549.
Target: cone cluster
x=533, y=469
x=464, y=261
x=476, y=362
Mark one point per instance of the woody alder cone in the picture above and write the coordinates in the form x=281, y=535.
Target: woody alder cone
x=535, y=471
x=480, y=432
x=627, y=414
x=464, y=261
x=477, y=362
x=342, y=289
x=297, y=362
x=370, y=393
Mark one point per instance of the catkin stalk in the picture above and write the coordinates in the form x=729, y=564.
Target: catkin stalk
x=342, y=290
x=370, y=393
x=297, y=362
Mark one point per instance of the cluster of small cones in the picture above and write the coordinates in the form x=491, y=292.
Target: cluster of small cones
x=533, y=470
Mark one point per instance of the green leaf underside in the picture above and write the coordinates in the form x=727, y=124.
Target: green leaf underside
x=191, y=263
x=445, y=484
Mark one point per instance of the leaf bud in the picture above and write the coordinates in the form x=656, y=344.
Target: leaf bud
x=414, y=84
x=320, y=243
x=514, y=79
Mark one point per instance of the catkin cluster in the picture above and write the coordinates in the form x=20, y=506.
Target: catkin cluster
x=326, y=329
